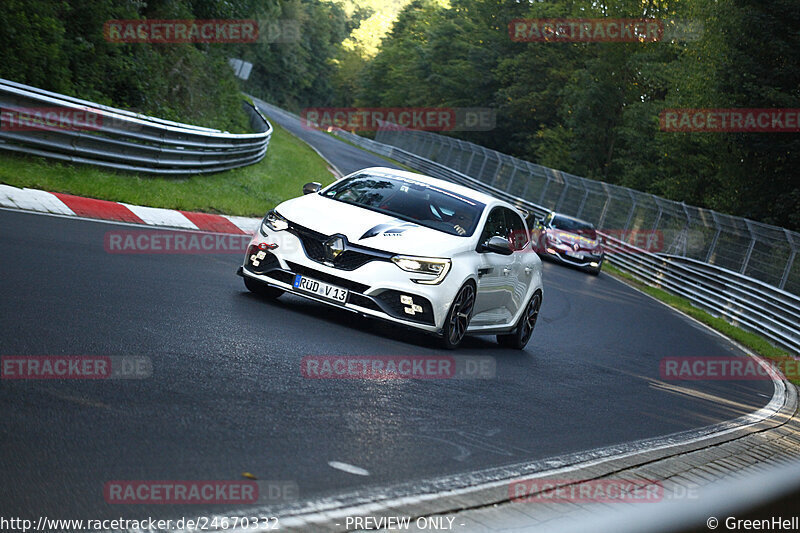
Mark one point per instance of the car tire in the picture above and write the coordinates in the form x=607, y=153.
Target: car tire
x=457, y=321
x=261, y=288
x=523, y=331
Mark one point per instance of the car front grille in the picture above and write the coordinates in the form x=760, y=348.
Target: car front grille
x=351, y=258
x=312, y=241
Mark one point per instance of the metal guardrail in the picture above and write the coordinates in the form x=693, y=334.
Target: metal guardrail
x=759, y=251
x=741, y=300
x=120, y=139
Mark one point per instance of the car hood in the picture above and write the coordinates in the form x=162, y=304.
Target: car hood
x=573, y=238
x=370, y=228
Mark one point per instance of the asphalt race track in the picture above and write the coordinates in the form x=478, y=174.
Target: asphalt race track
x=345, y=157
x=227, y=396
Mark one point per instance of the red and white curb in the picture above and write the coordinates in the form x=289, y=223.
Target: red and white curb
x=78, y=206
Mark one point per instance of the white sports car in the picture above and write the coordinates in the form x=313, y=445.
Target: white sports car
x=406, y=248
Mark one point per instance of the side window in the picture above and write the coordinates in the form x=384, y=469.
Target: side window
x=517, y=235
x=495, y=225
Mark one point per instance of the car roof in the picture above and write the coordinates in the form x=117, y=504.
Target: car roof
x=446, y=185
x=562, y=215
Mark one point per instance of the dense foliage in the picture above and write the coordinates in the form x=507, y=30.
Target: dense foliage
x=587, y=108
x=592, y=108
x=60, y=46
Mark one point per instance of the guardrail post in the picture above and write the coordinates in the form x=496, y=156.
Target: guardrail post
x=749, y=248
x=685, y=229
x=469, y=163
x=583, y=202
x=561, y=196
x=605, y=208
x=788, y=269
x=461, y=146
x=483, y=165
x=424, y=149
x=529, y=178
x=511, y=178
x=419, y=144
x=633, y=210
x=544, y=189
x=714, y=239
x=497, y=172
x=447, y=160
x=658, y=218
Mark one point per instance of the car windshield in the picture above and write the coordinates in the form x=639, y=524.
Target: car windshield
x=574, y=226
x=410, y=200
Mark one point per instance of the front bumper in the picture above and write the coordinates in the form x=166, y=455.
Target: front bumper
x=374, y=288
x=561, y=254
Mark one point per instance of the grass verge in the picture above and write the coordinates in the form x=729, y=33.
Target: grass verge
x=246, y=191
x=753, y=341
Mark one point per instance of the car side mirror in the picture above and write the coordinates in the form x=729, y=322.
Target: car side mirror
x=498, y=245
x=311, y=187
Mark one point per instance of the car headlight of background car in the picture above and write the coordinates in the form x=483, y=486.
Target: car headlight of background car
x=424, y=265
x=273, y=221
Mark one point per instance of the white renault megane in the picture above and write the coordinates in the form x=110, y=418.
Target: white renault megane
x=407, y=248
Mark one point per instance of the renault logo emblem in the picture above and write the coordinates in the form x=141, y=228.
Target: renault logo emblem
x=333, y=247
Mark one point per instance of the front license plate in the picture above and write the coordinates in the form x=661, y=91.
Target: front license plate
x=576, y=255
x=320, y=289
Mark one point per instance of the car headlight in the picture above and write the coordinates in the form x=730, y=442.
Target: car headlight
x=424, y=265
x=273, y=221
x=553, y=238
